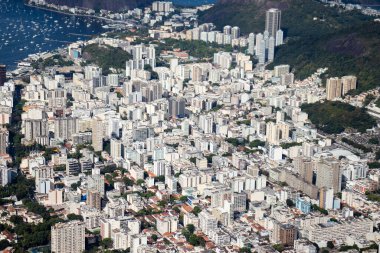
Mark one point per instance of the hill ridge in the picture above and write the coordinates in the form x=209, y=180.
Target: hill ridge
x=316, y=36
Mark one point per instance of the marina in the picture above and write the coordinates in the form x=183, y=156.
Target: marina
x=39, y=30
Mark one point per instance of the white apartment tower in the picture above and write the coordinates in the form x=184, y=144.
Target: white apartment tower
x=68, y=237
x=235, y=32
x=273, y=21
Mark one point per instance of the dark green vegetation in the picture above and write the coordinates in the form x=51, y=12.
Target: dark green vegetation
x=256, y=143
x=355, y=247
x=374, y=165
x=192, y=238
x=29, y=235
x=106, y=57
x=356, y=145
x=335, y=117
x=56, y=60
x=321, y=210
x=373, y=196
x=317, y=36
x=198, y=49
x=290, y=144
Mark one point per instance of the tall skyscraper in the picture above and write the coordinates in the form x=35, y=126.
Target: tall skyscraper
x=235, y=32
x=260, y=48
x=329, y=174
x=227, y=29
x=3, y=74
x=177, y=107
x=326, y=198
x=273, y=21
x=97, y=134
x=337, y=87
x=279, y=37
x=4, y=141
x=251, y=43
x=68, y=237
x=333, y=88
x=348, y=83
x=271, y=49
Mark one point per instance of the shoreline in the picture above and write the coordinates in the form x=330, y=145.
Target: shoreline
x=73, y=14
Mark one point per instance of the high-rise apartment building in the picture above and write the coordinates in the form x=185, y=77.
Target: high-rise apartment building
x=223, y=59
x=337, y=87
x=68, y=237
x=97, y=134
x=65, y=127
x=161, y=6
x=280, y=70
x=94, y=199
x=177, y=107
x=4, y=141
x=116, y=148
x=251, y=43
x=235, y=32
x=283, y=233
x=227, y=30
x=72, y=166
x=273, y=21
x=3, y=74
x=207, y=222
x=329, y=174
x=271, y=46
x=275, y=132
x=36, y=130
x=333, y=88
x=279, y=37
x=96, y=182
x=326, y=198
x=5, y=175
x=348, y=83
x=196, y=73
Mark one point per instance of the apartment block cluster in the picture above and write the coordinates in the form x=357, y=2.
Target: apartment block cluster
x=7, y=90
x=261, y=45
x=338, y=87
x=190, y=156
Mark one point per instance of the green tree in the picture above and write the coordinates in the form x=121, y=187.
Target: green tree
x=245, y=250
x=289, y=203
x=279, y=247
x=183, y=198
x=330, y=245
x=190, y=228
x=73, y=216
x=4, y=244
x=196, y=210
x=106, y=243
x=194, y=240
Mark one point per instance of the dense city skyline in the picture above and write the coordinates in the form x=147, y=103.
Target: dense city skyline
x=169, y=134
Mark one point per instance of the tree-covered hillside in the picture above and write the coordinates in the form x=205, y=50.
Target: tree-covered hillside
x=325, y=117
x=106, y=56
x=347, y=42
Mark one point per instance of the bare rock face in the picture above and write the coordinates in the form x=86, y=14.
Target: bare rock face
x=111, y=5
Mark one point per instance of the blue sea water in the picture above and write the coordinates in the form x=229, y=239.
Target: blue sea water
x=26, y=30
